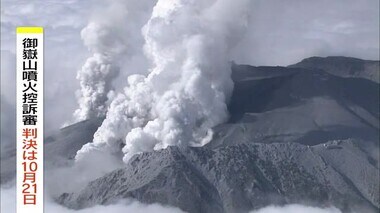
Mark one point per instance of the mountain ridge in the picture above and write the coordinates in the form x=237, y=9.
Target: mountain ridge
x=299, y=134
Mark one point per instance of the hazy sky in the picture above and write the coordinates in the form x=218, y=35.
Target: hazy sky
x=279, y=33
x=284, y=32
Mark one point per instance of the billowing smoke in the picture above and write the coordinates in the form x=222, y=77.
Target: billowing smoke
x=110, y=37
x=95, y=81
x=99, y=70
x=185, y=93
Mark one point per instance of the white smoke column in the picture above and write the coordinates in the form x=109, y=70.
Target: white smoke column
x=189, y=84
x=95, y=81
x=97, y=73
x=111, y=37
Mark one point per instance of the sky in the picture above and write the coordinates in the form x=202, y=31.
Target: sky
x=284, y=32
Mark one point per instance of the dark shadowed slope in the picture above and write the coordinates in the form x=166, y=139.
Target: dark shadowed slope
x=278, y=104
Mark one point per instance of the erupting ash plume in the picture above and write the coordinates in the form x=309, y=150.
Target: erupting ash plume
x=95, y=79
x=185, y=93
x=110, y=36
x=97, y=73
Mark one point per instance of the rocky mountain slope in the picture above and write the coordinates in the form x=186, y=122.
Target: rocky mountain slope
x=307, y=133
x=298, y=134
x=309, y=106
x=239, y=178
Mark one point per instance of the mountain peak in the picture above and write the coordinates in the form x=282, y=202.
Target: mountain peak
x=347, y=67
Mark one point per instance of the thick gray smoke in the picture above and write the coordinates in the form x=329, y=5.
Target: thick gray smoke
x=185, y=93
